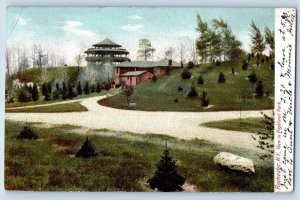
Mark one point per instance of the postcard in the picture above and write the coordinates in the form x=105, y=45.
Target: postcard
x=150, y=99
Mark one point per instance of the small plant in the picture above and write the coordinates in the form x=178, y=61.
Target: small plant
x=176, y=100
x=262, y=60
x=221, y=78
x=200, y=80
x=127, y=91
x=44, y=88
x=252, y=77
x=27, y=133
x=218, y=63
x=272, y=66
x=24, y=95
x=245, y=65
x=186, y=74
x=232, y=71
x=47, y=96
x=190, y=65
x=267, y=58
x=252, y=55
x=166, y=177
x=154, y=78
x=98, y=87
x=259, y=90
x=87, y=149
x=193, y=92
x=204, y=99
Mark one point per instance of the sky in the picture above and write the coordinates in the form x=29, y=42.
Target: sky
x=69, y=31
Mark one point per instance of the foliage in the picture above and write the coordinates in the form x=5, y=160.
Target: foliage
x=245, y=65
x=47, y=96
x=204, y=99
x=154, y=78
x=200, y=80
x=218, y=63
x=98, y=87
x=44, y=89
x=64, y=91
x=127, y=91
x=166, y=178
x=232, y=70
x=56, y=95
x=86, y=88
x=186, y=74
x=259, y=90
x=270, y=39
x=257, y=40
x=93, y=88
x=190, y=65
x=87, y=149
x=145, y=49
x=193, y=92
x=35, y=92
x=24, y=95
x=221, y=78
x=252, y=77
x=79, y=88
x=27, y=133
x=71, y=93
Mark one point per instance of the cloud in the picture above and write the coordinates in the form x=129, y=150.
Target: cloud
x=23, y=21
x=132, y=27
x=137, y=17
x=74, y=27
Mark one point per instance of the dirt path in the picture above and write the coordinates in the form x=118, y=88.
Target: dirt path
x=183, y=125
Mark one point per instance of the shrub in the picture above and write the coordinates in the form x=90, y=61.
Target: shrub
x=190, y=65
x=79, y=88
x=252, y=55
x=249, y=57
x=166, y=177
x=232, y=70
x=49, y=87
x=245, y=65
x=57, y=87
x=176, y=100
x=44, y=88
x=168, y=70
x=64, y=91
x=87, y=149
x=107, y=86
x=154, y=78
x=267, y=58
x=257, y=63
x=258, y=56
x=262, y=60
x=180, y=88
x=35, y=92
x=186, y=74
x=56, y=95
x=259, y=90
x=127, y=91
x=252, y=77
x=221, y=78
x=98, y=87
x=71, y=93
x=272, y=66
x=193, y=92
x=27, y=133
x=93, y=88
x=204, y=99
x=218, y=63
x=47, y=96
x=24, y=95
x=200, y=80
x=86, y=88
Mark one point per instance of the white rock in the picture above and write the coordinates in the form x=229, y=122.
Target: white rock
x=234, y=162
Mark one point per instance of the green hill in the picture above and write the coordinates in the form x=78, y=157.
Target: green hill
x=236, y=94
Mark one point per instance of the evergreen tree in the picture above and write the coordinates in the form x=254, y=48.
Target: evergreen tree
x=193, y=92
x=24, y=95
x=127, y=91
x=245, y=65
x=87, y=149
x=204, y=99
x=232, y=71
x=221, y=78
x=44, y=89
x=70, y=91
x=27, y=133
x=186, y=74
x=57, y=86
x=30, y=89
x=257, y=40
x=93, y=88
x=98, y=87
x=200, y=80
x=79, y=88
x=35, y=92
x=166, y=177
x=270, y=39
x=64, y=91
x=190, y=65
x=252, y=77
x=47, y=95
x=249, y=57
x=259, y=89
x=49, y=87
x=86, y=88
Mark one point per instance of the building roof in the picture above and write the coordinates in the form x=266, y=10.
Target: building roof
x=148, y=64
x=107, y=43
x=134, y=73
x=94, y=50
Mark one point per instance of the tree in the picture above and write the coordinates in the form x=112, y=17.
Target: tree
x=270, y=39
x=252, y=77
x=70, y=91
x=245, y=65
x=78, y=59
x=200, y=80
x=186, y=74
x=221, y=78
x=47, y=95
x=27, y=133
x=64, y=91
x=204, y=99
x=169, y=53
x=127, y=91
x=87, y=150
x=257, y=40
x=24, y=95
x=98, y=87
x=86, y=88
x=79, y=88
x=93, y=88
x=145, y=49
x=259, y=90
x=166, y=177
x=35, y=92
x=57, y=86
x=44, y=89
x=193, y=92
x=190, y=65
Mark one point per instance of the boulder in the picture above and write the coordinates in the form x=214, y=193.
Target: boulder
x=234, y=162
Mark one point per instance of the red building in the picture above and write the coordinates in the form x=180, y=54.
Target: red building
x=135, y=72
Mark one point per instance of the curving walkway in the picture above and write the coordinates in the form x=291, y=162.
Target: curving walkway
x=183, y=125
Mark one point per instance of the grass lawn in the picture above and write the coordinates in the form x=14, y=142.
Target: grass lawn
x=252, y=125
x=67, y=107
x=125, y=161
x=236, y=94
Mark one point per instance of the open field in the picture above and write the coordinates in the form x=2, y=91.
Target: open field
x=124, y=163
x=236, y=94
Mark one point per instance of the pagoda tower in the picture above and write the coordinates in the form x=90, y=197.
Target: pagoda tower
x=106, y=51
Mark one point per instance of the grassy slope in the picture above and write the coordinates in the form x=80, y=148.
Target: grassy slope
x=124, y=163
x=160, y=95
x=67, y=107
x=252, y=125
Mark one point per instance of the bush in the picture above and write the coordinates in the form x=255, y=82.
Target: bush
x=107, y=86
x=168, y=70
x=245, y=65
x=221, y=78
x=272, y=66
x=154, y=78
x=64, y=91
x=204, y=99
x=27, y=133
x=166, y=177
x=257, y=63
x=190, y=65
x=252, y=55
x=98, y=87
x=193, y=92
x=79, y=88
x=180, y=88
x=249, y=57
x=267, y=58
x=252, y=77
x=56, y=95
x=200, y=80
x=87, y=149
x=259, y=90
x=71, y=93
x=24, y=95
x=232, y=70
x=218, y=63
x=93, y=88
x=47, y=96
x=186, y=74
x=35, y=92
x=44, y=88
x=176, y=100
x=262, y=60
x=86, y=88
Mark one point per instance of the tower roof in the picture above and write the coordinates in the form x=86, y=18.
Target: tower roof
x=107, y=43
